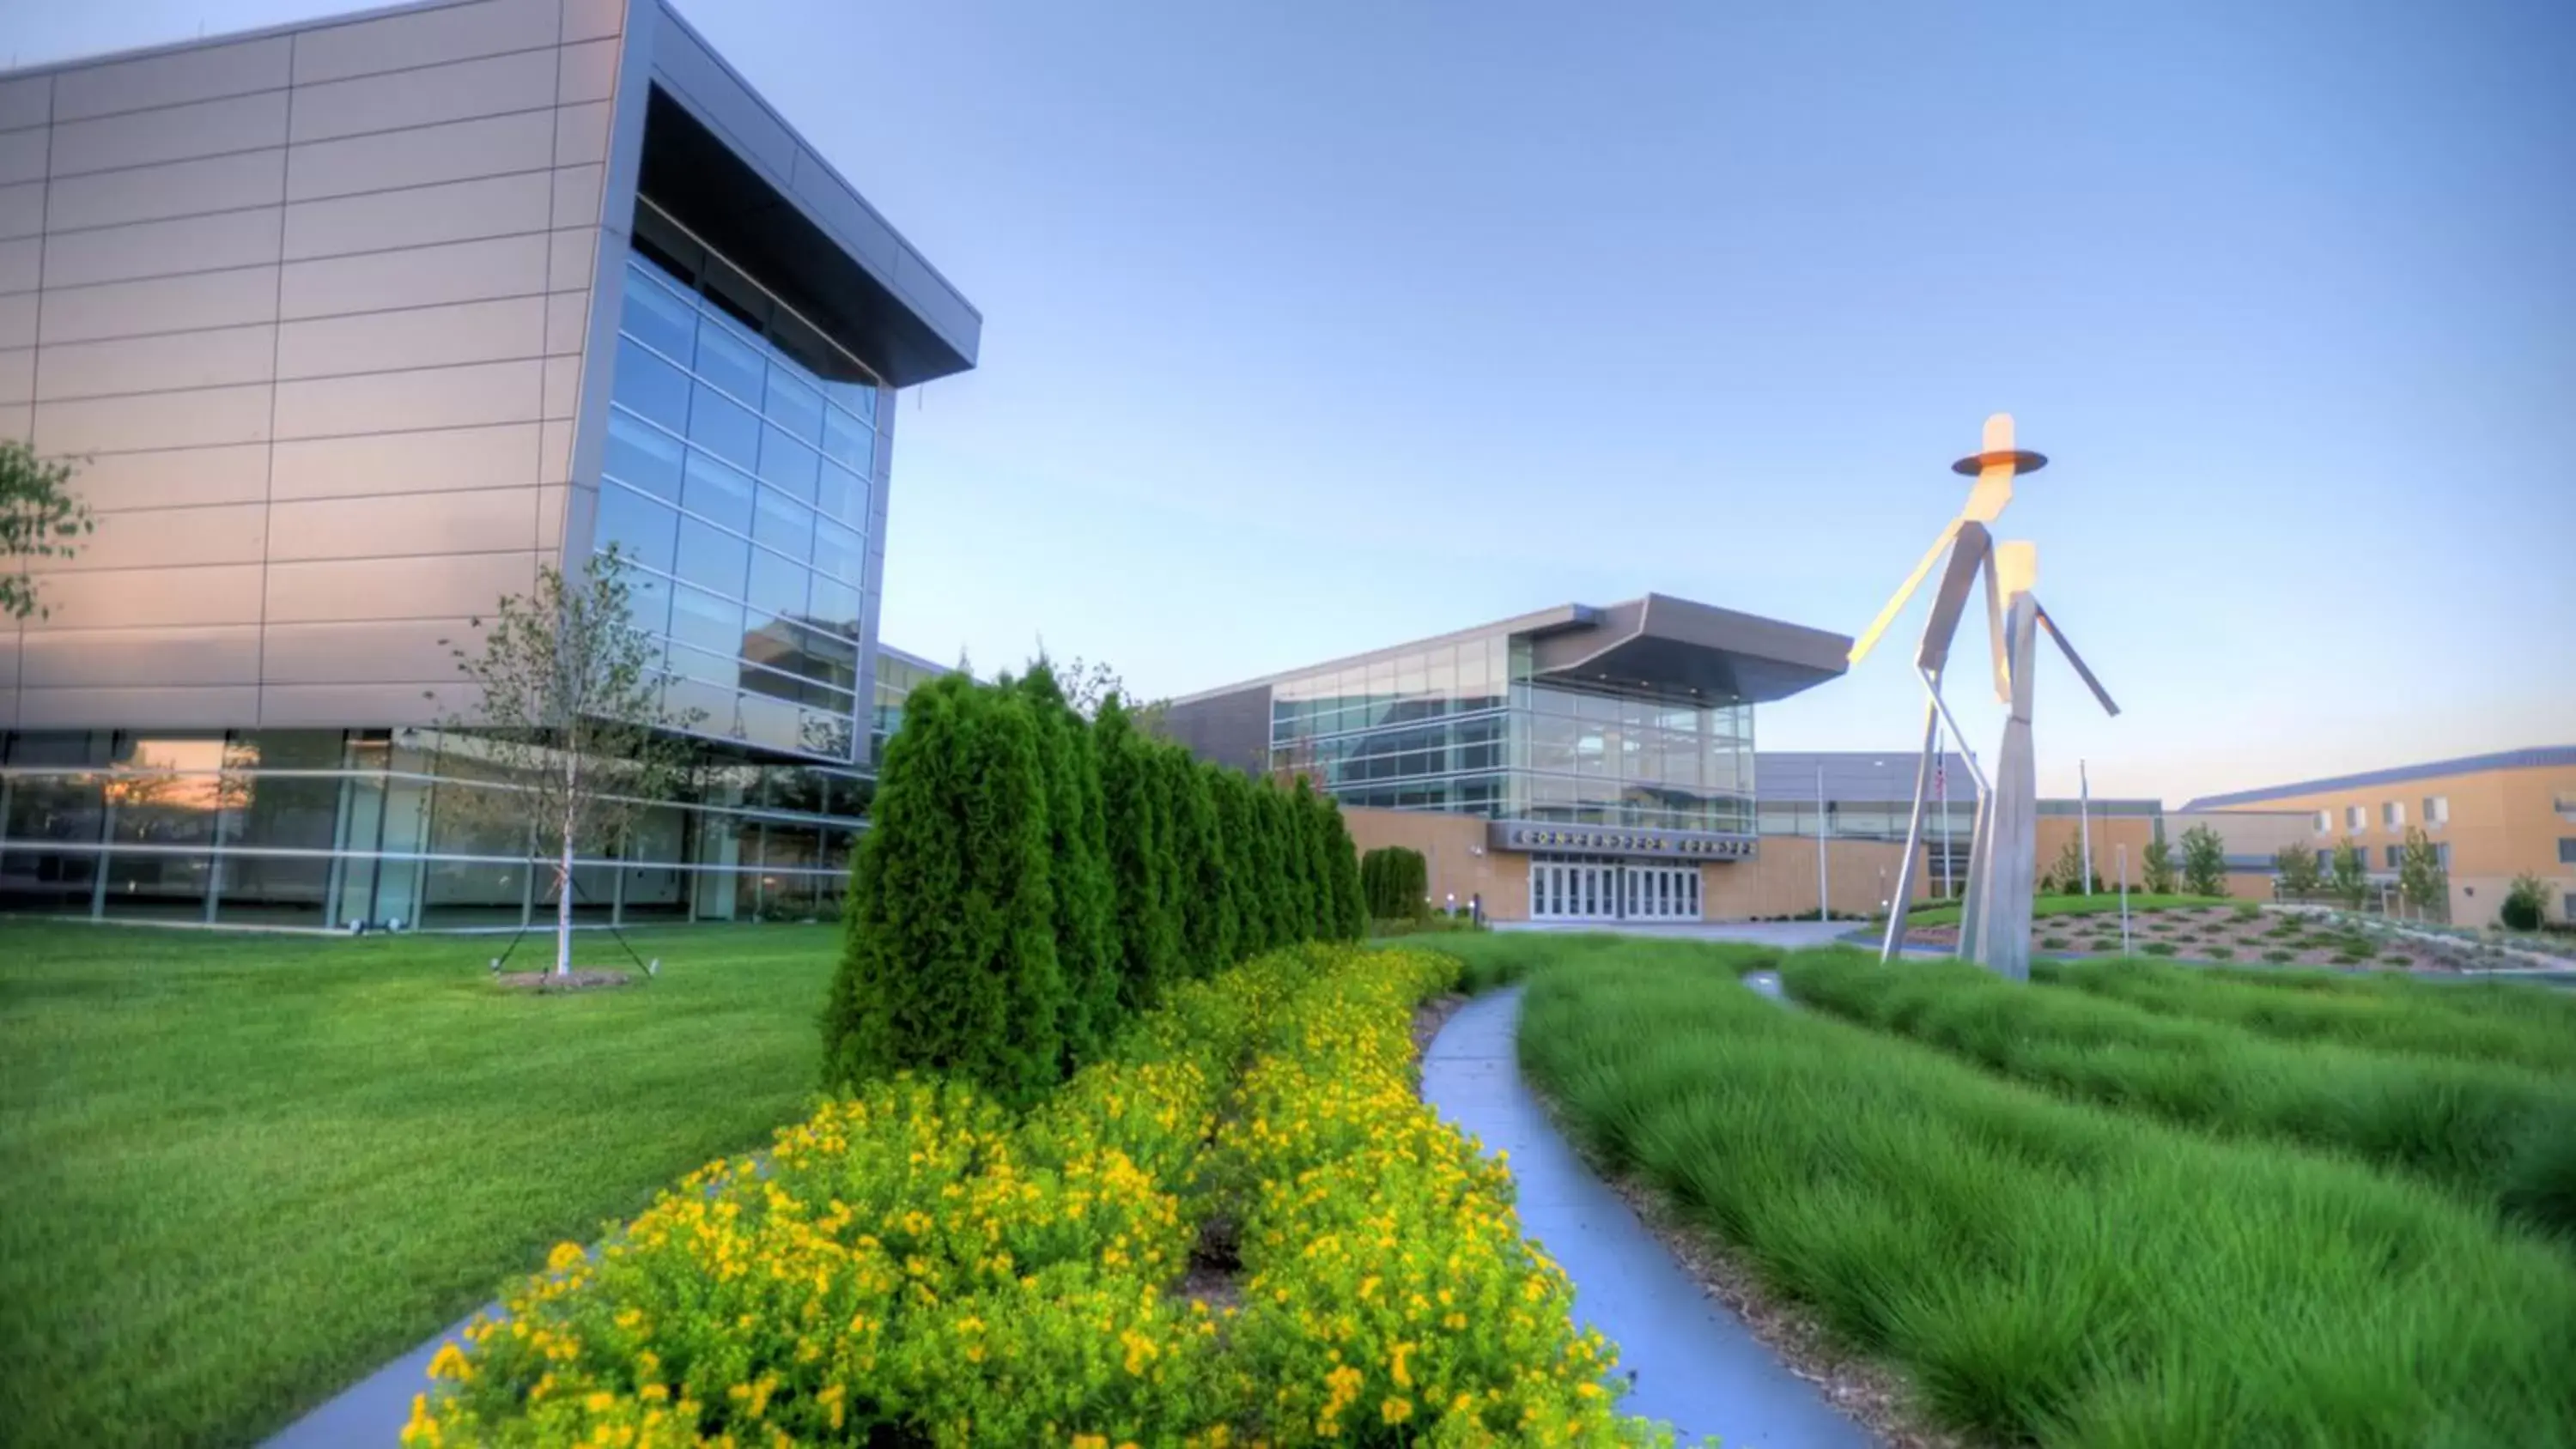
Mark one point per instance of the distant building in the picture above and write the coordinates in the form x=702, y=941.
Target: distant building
x=2492, y=817
x=1577, y=763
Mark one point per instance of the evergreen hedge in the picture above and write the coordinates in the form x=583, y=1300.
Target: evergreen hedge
x=950, y=961
x=1031, y=880
x=1396, y=881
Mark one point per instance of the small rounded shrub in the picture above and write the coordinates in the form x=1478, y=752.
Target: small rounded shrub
x=2158, y=948
x=2399, y=957
x=2279, y=957
x=2052, y=943
x=2348, y=958
x=2222, y=953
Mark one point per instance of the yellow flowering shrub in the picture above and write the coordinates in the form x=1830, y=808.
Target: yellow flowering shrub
x=912, y=1261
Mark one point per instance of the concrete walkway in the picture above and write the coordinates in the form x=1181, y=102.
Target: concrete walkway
x=1695, y=1364
x=373, y=1410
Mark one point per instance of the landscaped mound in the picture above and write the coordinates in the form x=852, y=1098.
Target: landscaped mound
x=917, y=1265
x=2050, y=1272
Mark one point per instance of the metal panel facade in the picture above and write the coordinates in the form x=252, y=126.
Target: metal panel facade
x=315, y=303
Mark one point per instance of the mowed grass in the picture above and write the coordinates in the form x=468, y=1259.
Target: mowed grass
x=2495, y=1134
x=2051, y=1272
x=2472, y=1022
x=239, y=1173
x=2079, y=905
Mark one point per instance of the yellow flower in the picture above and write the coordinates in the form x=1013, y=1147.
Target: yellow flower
x=1396, y=1411
x=1396, y=1369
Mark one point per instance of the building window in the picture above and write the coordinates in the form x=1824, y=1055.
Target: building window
x=2565, y=804
x=737, y=462
x=2442, y=852
x=2392, y=815
x=2567, y=850
x=2325, y=822
x=2353, y=819
x=2437, y=811
x=2394, y=853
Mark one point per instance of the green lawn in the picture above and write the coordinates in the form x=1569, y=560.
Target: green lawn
x=237, y=1173
x=2092, y=905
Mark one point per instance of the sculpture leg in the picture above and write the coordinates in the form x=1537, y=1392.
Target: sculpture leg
x=2004, y=926
x=1895, y=941
x=1981, y=868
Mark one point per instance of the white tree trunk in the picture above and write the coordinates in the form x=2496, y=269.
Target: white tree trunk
x=563, y=907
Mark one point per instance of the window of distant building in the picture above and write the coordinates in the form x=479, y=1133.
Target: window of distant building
x=2394, y=854
x=2442, y=852
x=2565, y=804
x=2437, y=810
x=2567, y=850
x=2353, y=818
x=2325, y=860
x=2392, y=815
x=2325, y=822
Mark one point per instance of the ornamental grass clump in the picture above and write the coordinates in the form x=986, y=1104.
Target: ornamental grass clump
x=2463, y=1126
x=2050, y=1272
x=2507, y=1022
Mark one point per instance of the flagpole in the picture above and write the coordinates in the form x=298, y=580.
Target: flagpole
x=1824, y=912
x=2084, y=820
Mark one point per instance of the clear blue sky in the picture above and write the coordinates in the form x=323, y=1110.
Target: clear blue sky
x=1315, y=327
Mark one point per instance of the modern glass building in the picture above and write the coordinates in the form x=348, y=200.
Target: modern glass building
x=358, y=323
x=1613, y=745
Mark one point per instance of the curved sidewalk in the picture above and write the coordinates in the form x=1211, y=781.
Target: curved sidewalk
x=1695, y=1364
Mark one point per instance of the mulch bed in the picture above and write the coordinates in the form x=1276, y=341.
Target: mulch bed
x=2201, y=933
x=546, y=983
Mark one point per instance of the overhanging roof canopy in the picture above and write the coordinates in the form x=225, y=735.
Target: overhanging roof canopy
x=1663, y=645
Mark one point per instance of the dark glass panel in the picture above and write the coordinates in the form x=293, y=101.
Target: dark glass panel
x=57, y=807
x=56, y=882
x=274, y=890
x=154, y=885
x=656, y=315
x=711, y=557
x=729, y=360
x=838, y=552
x=789, y=464
x=723, y=427
x=643, y=530
x=650, y=387
x=643, y=456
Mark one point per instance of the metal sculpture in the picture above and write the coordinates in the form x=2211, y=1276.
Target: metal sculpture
x=1994, y=917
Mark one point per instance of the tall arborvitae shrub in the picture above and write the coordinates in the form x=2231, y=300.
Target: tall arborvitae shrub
x=948, y=963
x=1149, y=940
x=1272, y=834
x=1307, y=840
x=1395, y=879
x=1349, y=908
x=1086, y=920
x=1198, y=869
x=1246, y=902
x=1223, y=926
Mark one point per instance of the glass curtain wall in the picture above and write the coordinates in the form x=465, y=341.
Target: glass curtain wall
x=1461, y=727
x=327, y=829
x=896, y=680
x=741, y=449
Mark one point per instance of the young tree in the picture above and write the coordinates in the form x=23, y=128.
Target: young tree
x=2421, y=880
x=2065, y=876
x=2348, y=876
x=39, y=518
x=2526, y=903
x=2295, y=867
x=1149, y=948
x=1086, y=921
x=1306, y=842
x=948, y=963
x=2157, y=871
x=2204, y=862
x=567, y=710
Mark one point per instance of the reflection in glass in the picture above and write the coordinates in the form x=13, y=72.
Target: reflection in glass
x=644, y=532
x=643, y=456
x=713, y=558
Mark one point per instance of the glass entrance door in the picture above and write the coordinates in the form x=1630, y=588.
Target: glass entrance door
x=1600, y=890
